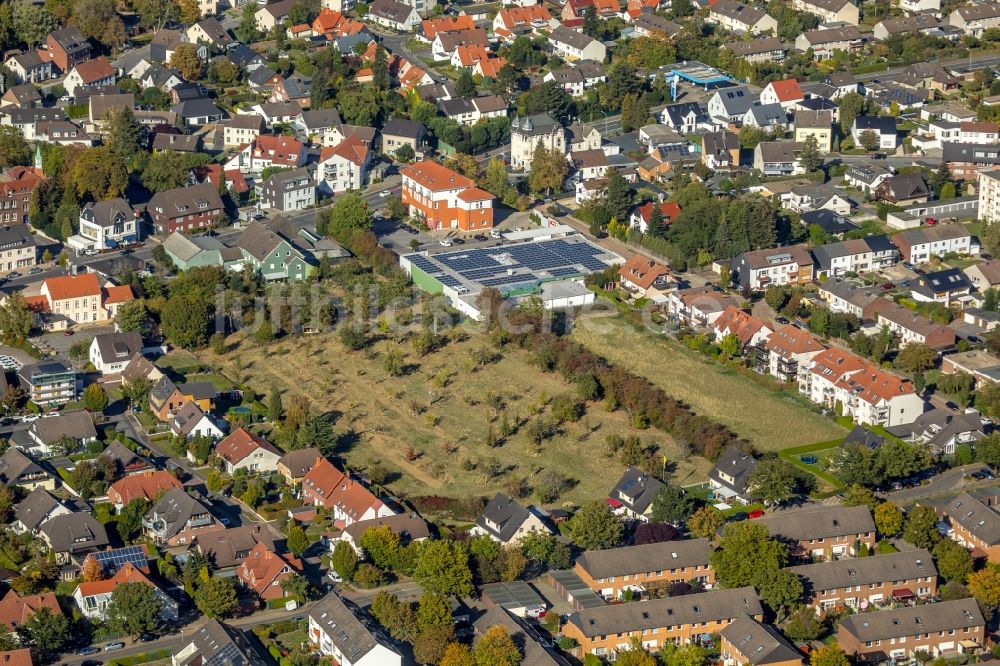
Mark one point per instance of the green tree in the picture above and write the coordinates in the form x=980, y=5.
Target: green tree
x=780, y=589
x=746, y=548
x=134, y=609
x=14, y=149
x=465, y=86
x=888, y=519
x=99, y=174
x=856, y=495
x=137, y=390
x=954, y=562
x=95, y=398
x=548, y=170
x=730, y=345
x=689, y=654
x=594, y=527
x=705, y=522
x=124, y=133
x=431, y=644
x=916, y=357
x=869, y=140
x=433, y=609
x=297, y=541
x=185, y=319
x=443, y=568
x=344, y=560
x=851, y=106
x=349, y=212
x=619, y=197
x=296, y=586
x=132, y=316
x=809, y=158
x=129, y=522
x=216, y=597
x=46, y=631
x=169, y=170
x=546, y=549
x=671, y=505
x=381, y=546
x=380, y=69
x=775, y=480
x=496, y=648
x=15, y=318
x=274, y=408
x=803, y=625
x=31, y=23
x=921, y=527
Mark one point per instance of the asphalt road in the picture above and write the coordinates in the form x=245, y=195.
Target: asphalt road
x=945, y=483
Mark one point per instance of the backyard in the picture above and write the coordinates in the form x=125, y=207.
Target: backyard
x=432, y=426
x=771, y=421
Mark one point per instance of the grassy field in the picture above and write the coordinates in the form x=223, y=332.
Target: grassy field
x=769, y=420
x=444, y=408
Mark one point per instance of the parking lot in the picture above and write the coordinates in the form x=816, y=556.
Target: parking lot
x=57, y=342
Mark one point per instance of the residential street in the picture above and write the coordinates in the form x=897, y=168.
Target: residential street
x=946, y=483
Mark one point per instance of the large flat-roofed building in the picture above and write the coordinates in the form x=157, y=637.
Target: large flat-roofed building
x=516, y=269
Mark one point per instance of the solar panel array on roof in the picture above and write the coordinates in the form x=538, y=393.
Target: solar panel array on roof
x=449, y=280
x=424, y=264
x=564, y=272
x=113, y=560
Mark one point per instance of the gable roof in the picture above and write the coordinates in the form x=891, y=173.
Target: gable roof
x=502, y=517
x=636, y=489
x=174, y=508
x=299, y=462
x=262, y=566
x=907, y=621
x=73, y=286
x=94, y=69
x=822, y=522
x=241, y=443
x=74, y=425
x=15, y=610
x=787, y=90
x=642, y=271
x=129, y=573
x=352, y=637
x=15, y=465
x=147, y=485
x=790, y=340
x=431, y=27
x=906, y=565
x=436, y=177
x=118, y=346
x=228, y=547
x=736, y=464
x=35, y=508
x=75, y=532
x=759, y=643
x=645, y=558
x=409, y=526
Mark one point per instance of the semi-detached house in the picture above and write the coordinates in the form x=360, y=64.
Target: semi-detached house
x=649, y=566
x=572, y=45
x=877, y=580
x=338, y=632
x=326, y=486
x=829, y=10
x=758, y=269
x=974, y=525
x=919, y=245
x=914, y=328
x=739, y=18
x=974, y=19
x=606, y=630
x=858, y=255
x=837, y=379
x=825, y=532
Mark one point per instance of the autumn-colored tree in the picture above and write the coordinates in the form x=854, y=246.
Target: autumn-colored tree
x=829, y=655
x=985, y=585
x=92, y=570
x=189, y=11
x=888, y=519
x=186, y=61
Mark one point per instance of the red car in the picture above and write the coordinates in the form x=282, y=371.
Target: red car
x=931, y=221
x=756, y=513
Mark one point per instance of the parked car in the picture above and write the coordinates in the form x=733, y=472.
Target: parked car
x=878, y=156
x=68, y=331
x=116, y=645
x=888, y=286
x=495, y=233
x=479, y=237
x=90, y=649
x=446, y=242
x=738, y=516
x=125, y=252
x=35, y=271
x=14, y=275
x=384, y=193
x=756, y=513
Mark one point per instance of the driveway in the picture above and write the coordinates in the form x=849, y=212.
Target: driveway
x=59, y=342
x=946, y=483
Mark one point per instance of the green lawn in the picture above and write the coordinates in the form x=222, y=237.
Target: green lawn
x=218, y=381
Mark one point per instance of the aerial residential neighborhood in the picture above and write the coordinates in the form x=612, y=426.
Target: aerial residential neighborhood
x=570, y=332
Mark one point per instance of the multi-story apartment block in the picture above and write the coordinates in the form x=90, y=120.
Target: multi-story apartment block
x=242, y=128
x=914, y=328
x=698, y=306
x=106, y=224
x=525, y=135
x=185, y=208
x=17, y=248
x=16, y=188
x=268, y=151
x=989, y=195
x=876, y=580
x=78, y=298
x=605, y=630
x=854, y=256
x=344, y=166
x=829, y=531
x=641, y=568
x=841, y=296
x=49, y=383
x=858, y=388
x=758, y=269
x=66, y=48
x=288, y=190
x=918, y=245
x=444, y=199
x=900, y=633
x=783, y=352
x=826, y=41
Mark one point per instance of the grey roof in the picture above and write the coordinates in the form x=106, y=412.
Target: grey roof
x=909, y=23
x=906, y=565
x=977, y=518
x=877, y=124
x=737, y=11
x=805, y=118
x=757, y=46
x=769, y=114
x=123, y=455
x=645, y=558
x=736, y=464
x=636, y=489
x=118, y=346
x=672, y=611
x=24, y=93
x=759, y=643
x=353, y=636
x=16, y=235
x=409, y=526
x=187, y=417
x=161, y=390
x=251, y=121
x=185, y=143
x=939, y=425
x=897, y=622
x=862, y=436
x=720, y=142
x=577, y=40
x=653, y=23
x=105, y=213
x=35, y=508
x=242, y=55
x=675, y=113
x=317, y=119
x=196, y=108
x=867, y=173
x=391, y=10
x=101, y=104
x=74, y=533
x=502, y=517
x=227, y=548
x=299, y=462
x=261, y=75
x=182, y=201
x=34, y=114
x=403, y=127
x=214, y=644
x=539, y=124
x=534, y=653
x=776, y=151
x=174, y=508
x=70, y=39
x=831, y=35
x=74, y=425
x=215, y=31
x=15, y=465
x=949, y=280
x=736, y=101
x=259, y=240
x=286, y=181
x=815, y=523
x=930, y=234
x=828, y=221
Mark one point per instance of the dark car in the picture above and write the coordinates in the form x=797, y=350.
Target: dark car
x=738, y=516
x=125, y=252
x=91, y=662
x=781, y=320
x=878, y=156
x=146, y=637
x=919, y=271
x=888, y=286
x=479, y=237
x=457, y=241
x=90, y=649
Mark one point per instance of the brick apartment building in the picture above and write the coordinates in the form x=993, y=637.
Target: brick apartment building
x=185, y=208
x=640, y=568
x=66, y=48
x=605, y=630
x=829, y=531
x=747, y=641
x=16, y=187
x=974, y=525
x=899, y=633
x=445, y=199
x=877, y=580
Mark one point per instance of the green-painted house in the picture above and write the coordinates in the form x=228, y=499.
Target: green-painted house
x=193, y=251
x=271, y=254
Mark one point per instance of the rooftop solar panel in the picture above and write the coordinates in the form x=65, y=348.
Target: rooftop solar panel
x=115, y=559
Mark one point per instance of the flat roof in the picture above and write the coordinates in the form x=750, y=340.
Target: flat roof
x=516, y=594
x=582, y=595
x=699, y=73
x=512, y=267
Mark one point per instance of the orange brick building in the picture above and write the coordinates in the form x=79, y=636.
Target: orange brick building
x=605, y=630
x=640, y=568
x=444, y=199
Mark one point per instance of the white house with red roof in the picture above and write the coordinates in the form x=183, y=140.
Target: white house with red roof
x=242, y=449
x=467, y=55
x=642, y=215
x=643, y=275
x=95, y=72
x=445, y=199
x=786, y=92
x=81, y=299
x=786, y=350
x=856, y=387
x=92, y=598
x=344, y=166
x=749, y=329
x=511, y=21
x=267, y=151
x=263, y=570
x=326, y=486
x=148, y=486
